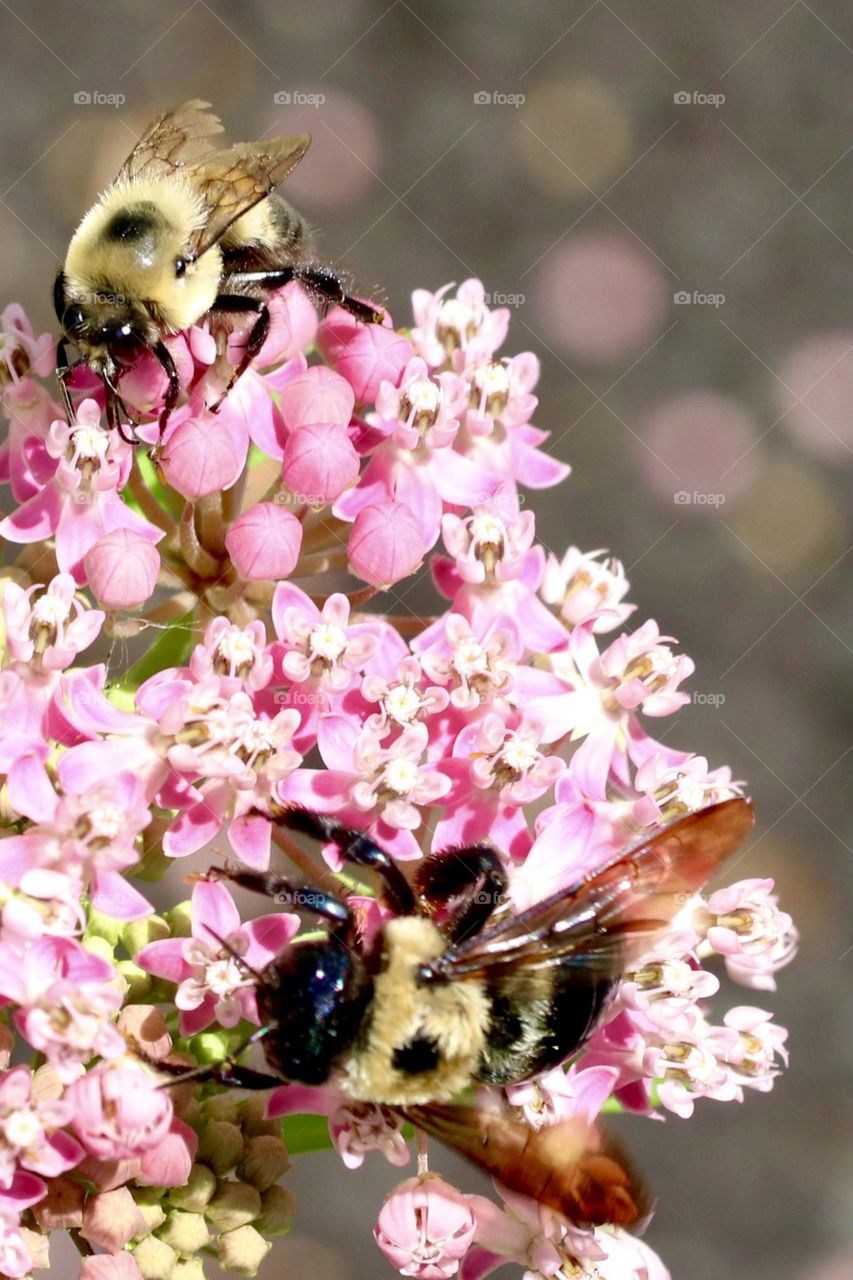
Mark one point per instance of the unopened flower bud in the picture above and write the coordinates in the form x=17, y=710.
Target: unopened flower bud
x=110, y=1266
x=111, y=1218
x=264, y=542
x=145, y=1025
x=187, y=1233
x=138, y=933
x=234, y=1205
x=122, y=569
x=149, y=1203
x=139, y=982
x=179, y=920
x=188, y=1269
x=253, y=1117
x=386, y=543
x=224, y=1106
x=105, y=926
x=62, y=1207
x=155, y=1259
x=264, y=1162
x=277, y=1206
x=221, y=1145
x=169, y=1164
x=198, y=1192
x=242, y=1250
x=100, y=947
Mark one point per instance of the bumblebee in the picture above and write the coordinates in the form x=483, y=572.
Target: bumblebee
x=185, y=232
x=457, y=991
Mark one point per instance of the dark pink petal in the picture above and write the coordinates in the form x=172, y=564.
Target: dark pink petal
x=251, y=838
x=214, y=915
x=164, y=959
x=268, y=935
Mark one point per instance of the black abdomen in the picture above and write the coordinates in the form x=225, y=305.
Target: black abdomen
x=533, y=1030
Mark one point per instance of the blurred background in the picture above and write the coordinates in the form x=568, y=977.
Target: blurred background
x=662, y=195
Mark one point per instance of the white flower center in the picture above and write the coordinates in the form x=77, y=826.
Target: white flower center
x=400, y=776
x=107, y=821
x=402, y=703
x=236, y=649
x=492, y=379
x=50, y=611
x=327, y=641
x=22, y=1128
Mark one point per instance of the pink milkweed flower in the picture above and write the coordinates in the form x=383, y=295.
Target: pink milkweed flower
x=233, y=653
x=204, y=452
x=500, y=393
x=425, y=1228
x=586, y=588
x=264, y=542
x=320, y=648
x=692, y=1064
x=673, y=789
x=31, y=1130
x=48, y=626
x=84, y=838
x=488, y=545
x=25, y=463
x=668, y=982
x=402, y=698
x=477, y=667
x=753, y=1055
x=213, y=968
x=67, y=1002
x=421, y=409
x=356, y=1128
x=82, y=500
x=459, y=331
x=118, y=1111
x=562, y=1094
x=21, y=353
x=747, y=927
x=110, y=1266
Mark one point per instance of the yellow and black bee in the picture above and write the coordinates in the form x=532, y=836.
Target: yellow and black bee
x=456, y=990
x=185, y=231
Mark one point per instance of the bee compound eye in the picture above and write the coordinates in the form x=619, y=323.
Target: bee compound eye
x=125, y=343
x=73, y=319
x=180, y=267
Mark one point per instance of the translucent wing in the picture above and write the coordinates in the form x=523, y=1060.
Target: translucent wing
x=178, y=138
x=232, y=182
x=569, y=1166
x=609, y=918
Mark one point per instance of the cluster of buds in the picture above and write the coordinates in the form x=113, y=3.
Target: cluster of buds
x=250, y=549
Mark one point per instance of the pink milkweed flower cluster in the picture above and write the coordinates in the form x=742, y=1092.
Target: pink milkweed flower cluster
x=195, y=636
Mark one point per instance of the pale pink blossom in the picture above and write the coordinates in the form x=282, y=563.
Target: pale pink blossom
x=119, y=1111
x=747, y=927
x=425, y=1228
x=48, y=626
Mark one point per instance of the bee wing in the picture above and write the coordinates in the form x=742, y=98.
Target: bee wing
x=232, y=182
x=569, y=1166
x=176, y=139
x=610, y=917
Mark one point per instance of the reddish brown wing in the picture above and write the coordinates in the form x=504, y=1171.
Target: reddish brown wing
x=608, y=919
x=178, y=138
x=570, y=1167
x=232, y=182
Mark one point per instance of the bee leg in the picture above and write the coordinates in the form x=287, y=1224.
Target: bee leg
x=229, y=1072
x=164, y=357
x=63, y=368
x=354, y=847
x=256, y=338
x=323, y=281
x=285, y=893
x=470, y=883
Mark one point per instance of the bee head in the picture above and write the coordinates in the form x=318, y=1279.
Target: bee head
x=110, y=331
